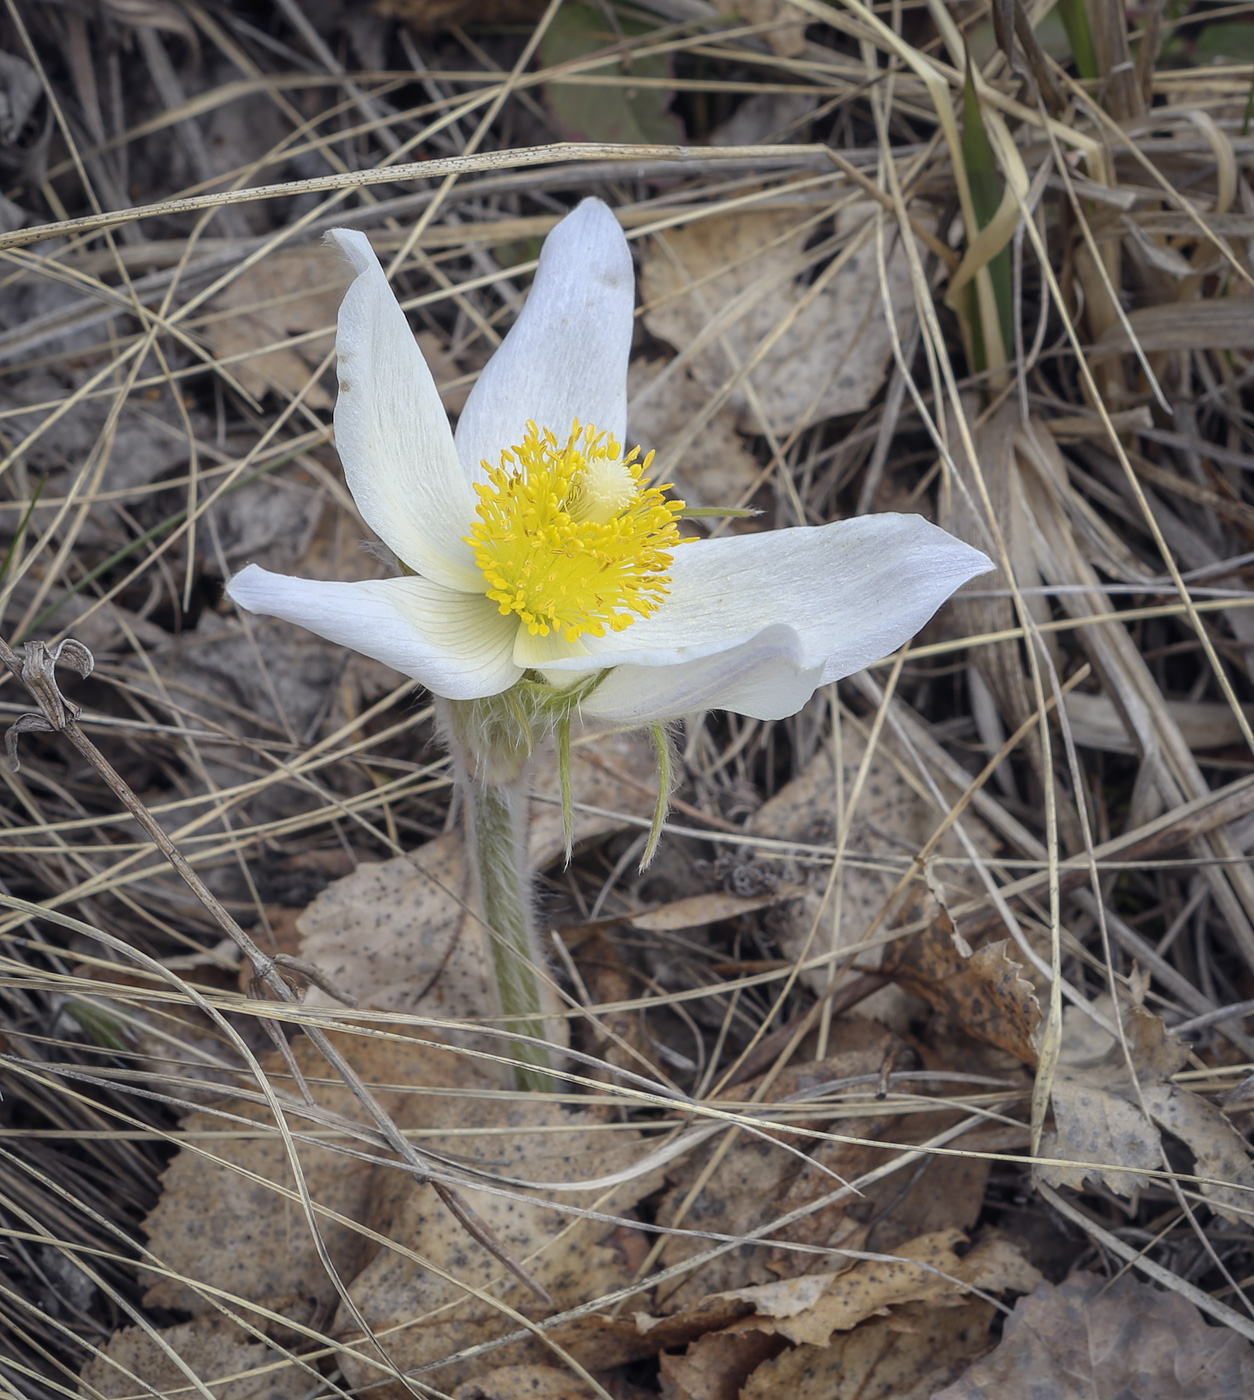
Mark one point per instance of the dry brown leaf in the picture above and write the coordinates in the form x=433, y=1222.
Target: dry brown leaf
x=944, y=1191
x=1099, y=1128
x=902, y=1357
x=617, y=1037
x=1102, y=1133
x=891, y=821
x=1096, y=1128
x=444, y=370
x=399, y=935
x=757, y=1181
x=426, y=1317
x=615, y=1340
x=809, y=1309
x=283, y=295
x=727, y=1334
x=832, y=358
x=716, y=1366
x=239, y=1234
x=1089, y=1339
x=1154, y=1051
x=235, y=1365
x=711, y=908
x=1219, y=1151
x=717, y=469
x=986, y=993
x=525, y=1383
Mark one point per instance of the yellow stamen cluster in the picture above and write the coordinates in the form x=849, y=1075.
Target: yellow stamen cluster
x=572, y=537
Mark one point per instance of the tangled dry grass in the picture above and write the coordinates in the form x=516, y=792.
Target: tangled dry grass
x=973, y=932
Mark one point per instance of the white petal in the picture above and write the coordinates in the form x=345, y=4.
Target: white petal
x=392, y=432
x=853, y=592
x=762, y=678
x=457, y=644
x=566, y=355
x=537, y=653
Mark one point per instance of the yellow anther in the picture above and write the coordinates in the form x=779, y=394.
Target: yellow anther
x=572, y=537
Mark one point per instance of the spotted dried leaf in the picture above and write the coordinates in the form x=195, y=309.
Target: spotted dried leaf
x=809, y=1309
x=525, y=1383
x=906, y=1356
x=721, y=286
x=290, y=296
x=401, y=935
x=228, y=1217
x=435, y=1292
x=758, y=1180
x=1219, y=1151
x=1100, y=1132
x=1107, y=1128
x=1093, y=1339
x=1098, y=1136
x=232, y=1363
x=892, y=820
x=984, y=992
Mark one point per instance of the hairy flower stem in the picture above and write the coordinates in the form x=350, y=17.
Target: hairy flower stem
x=498, y=830
x=492, y=742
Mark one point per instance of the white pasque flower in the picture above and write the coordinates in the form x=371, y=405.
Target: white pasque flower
x=536, y=545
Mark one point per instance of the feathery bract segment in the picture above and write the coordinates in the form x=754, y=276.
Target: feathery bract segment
x=573, y=538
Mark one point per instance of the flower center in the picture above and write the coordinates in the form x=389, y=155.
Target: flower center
x=573, y=538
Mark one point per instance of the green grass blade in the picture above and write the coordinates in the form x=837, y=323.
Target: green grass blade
x=1075, y=20
x=984, y=181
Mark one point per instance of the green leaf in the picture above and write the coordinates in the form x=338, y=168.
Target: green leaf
x=1052, y=35
x=1233, y=43
x=100, y=1027
x=633, y=115
x=520, y=250
x=22, y=524
x=1075, y=20
x=985, y=184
